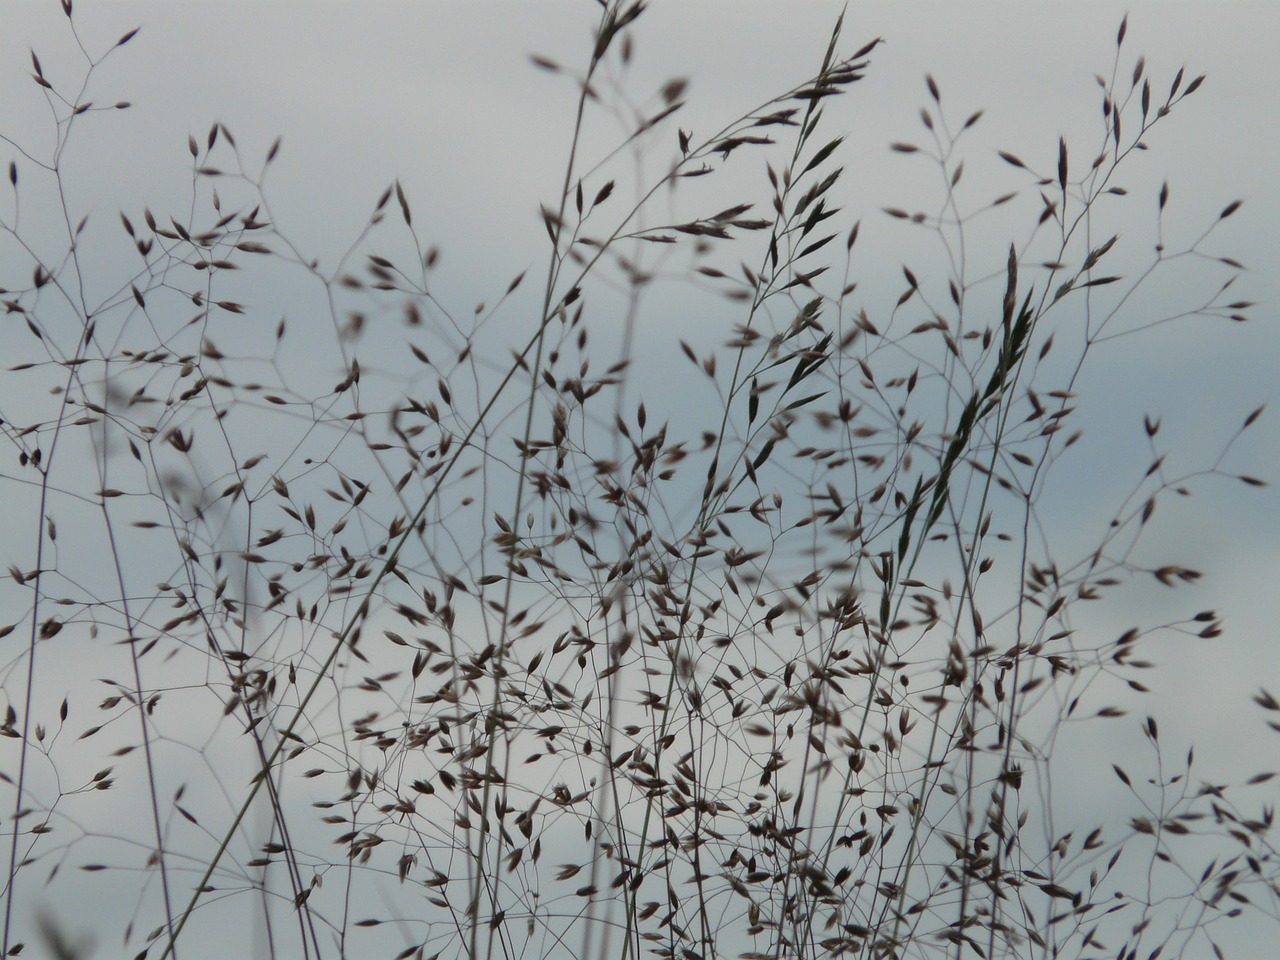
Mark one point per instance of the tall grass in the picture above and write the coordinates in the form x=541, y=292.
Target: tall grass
x=549, y=630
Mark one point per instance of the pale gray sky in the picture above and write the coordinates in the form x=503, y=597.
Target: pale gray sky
x=443, y=97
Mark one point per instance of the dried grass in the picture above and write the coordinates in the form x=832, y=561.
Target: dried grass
x=487, y=650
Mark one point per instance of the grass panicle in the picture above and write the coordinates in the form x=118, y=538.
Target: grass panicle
x=556, y=628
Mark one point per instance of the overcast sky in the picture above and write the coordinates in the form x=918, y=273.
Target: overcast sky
x=443, y=97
